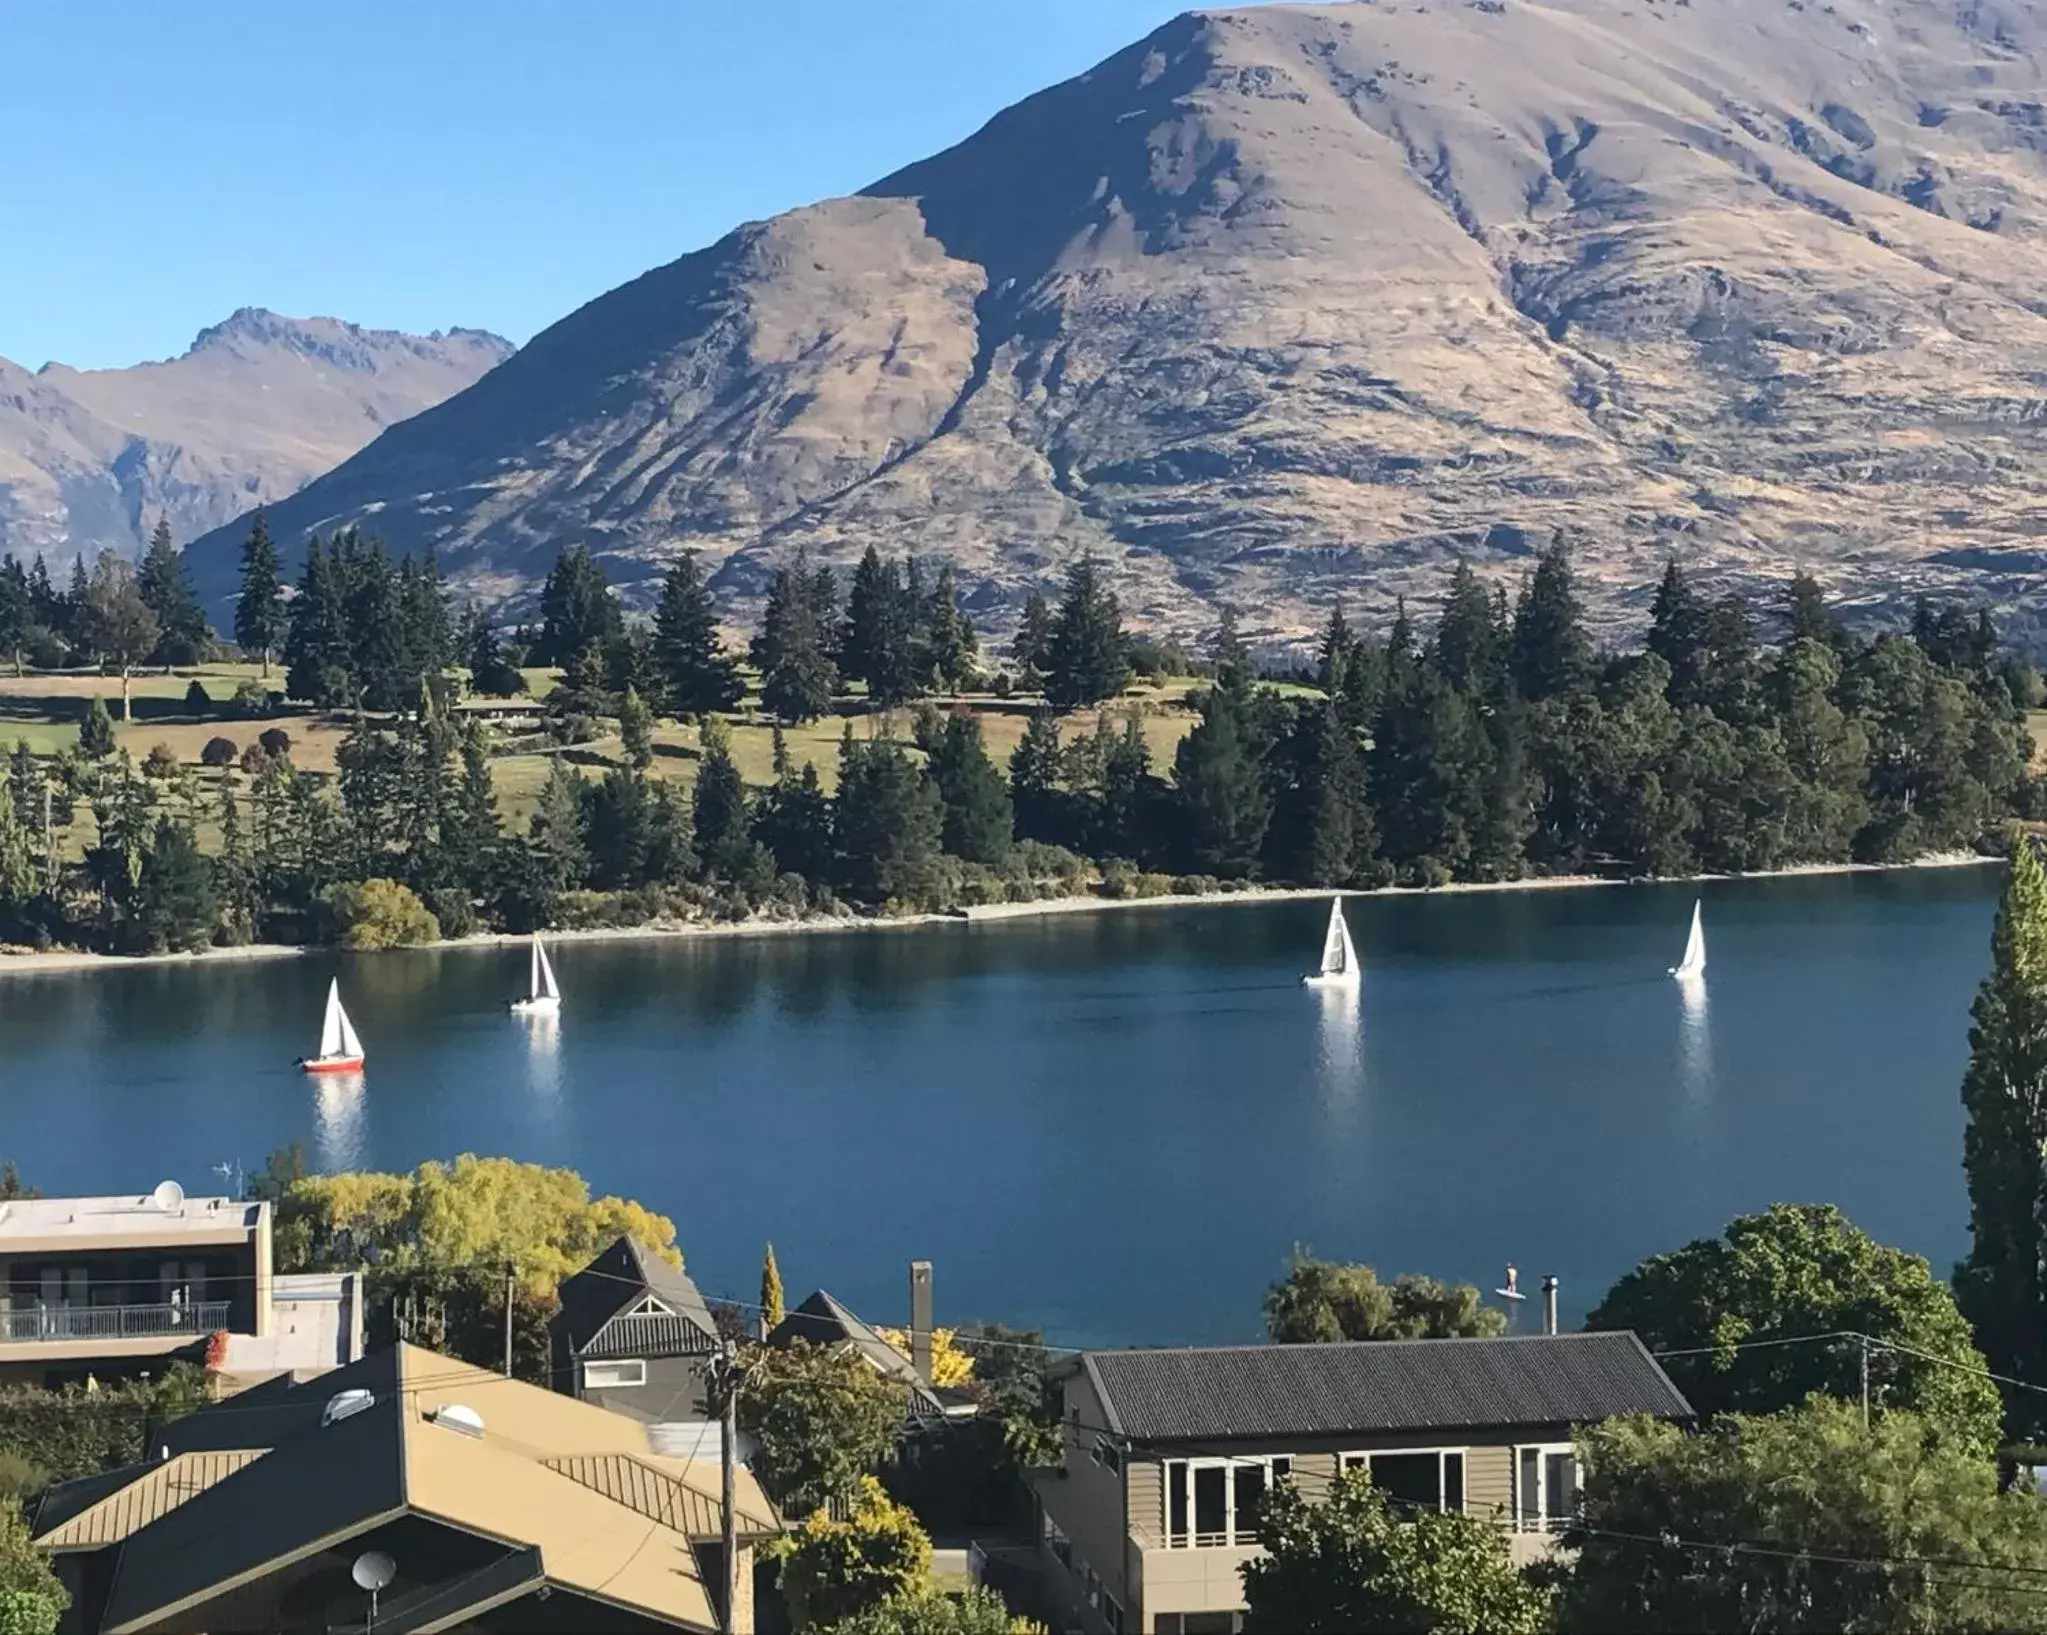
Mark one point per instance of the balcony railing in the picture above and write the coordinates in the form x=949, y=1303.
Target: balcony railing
x=112, y=1322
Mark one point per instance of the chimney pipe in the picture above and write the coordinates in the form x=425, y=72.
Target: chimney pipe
x=1549, y=1305
x=920, y=1318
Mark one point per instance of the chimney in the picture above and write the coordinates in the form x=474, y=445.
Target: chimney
x=920, y=1318
x=1549, y=1305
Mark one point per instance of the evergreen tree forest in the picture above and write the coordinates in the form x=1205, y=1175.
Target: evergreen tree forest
x=1501, y=742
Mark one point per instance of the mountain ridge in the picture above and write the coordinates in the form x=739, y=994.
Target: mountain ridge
x=1283, y=303
x=90, y=458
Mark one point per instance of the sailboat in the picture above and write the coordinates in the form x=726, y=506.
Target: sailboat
x=1339, y=955
x=1694, y=962
x=340, y=1049
x=543, y=997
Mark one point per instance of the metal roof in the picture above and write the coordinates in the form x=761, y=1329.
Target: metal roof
x=1379, y=1386
x=604, y=1310
x=824, y=1320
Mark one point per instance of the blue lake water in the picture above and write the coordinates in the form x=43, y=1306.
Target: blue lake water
x=1112, y=1126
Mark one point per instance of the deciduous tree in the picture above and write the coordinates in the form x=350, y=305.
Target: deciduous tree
x=1349, y=1564
x=1321, y=1300
x=824, y=1419
x=1795, y=1270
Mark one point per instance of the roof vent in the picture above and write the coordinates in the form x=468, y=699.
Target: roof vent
x=458, y=1417
x=345, y=1405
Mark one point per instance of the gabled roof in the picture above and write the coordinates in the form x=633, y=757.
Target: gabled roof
x=1374, y=1387
x=629, y=1302
x=823, y=1320
x=580, y=1491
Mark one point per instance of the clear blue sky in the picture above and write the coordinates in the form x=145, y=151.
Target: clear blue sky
x=415, y=164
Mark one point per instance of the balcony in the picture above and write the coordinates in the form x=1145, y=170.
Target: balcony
x=192, y=1318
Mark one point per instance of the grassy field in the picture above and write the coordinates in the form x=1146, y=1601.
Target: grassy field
x=45, y=710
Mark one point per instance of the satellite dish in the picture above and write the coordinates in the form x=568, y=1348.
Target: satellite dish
x=460, y=1417
x=344, y=1404
x=373, y=1571
x=168, y=1196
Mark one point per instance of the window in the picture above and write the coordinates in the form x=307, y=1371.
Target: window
x=1112, y=1610
x=1057, y=1542
x=1545, y=1488
x=612, y=1376
x=1424, y=1479
x=1106, y=1456
x=1218, y=1501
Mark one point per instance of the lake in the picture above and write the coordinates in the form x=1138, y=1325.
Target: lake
x=1112, y=1126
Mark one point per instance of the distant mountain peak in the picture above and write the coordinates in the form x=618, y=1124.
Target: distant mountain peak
x=1293, y=301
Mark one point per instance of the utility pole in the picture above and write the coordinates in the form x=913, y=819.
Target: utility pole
x=727, y=1378
x=1865, y=1380
x=511, y=1293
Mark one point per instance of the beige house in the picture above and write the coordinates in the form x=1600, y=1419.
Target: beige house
x=1168, y=1455
x=107, y=1288
x=477, y=1503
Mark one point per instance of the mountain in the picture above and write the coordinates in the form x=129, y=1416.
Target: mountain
x=1289, y=302
x=255, y=409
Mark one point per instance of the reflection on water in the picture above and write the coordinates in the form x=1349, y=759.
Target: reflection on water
x=340, y=1120
x=1694, y=1041
x=543, y=1059
x=1339, y=1064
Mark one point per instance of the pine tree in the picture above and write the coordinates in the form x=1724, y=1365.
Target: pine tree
x=1552, y=656
x=978, y=818
x=697, y=675
x=318, y=655
x=887, y=824
x=259, y=610
x=879, y=642
x=470, y=833
x=17, y=611
x=1224, y=807
x=1032, y=648
x=1089, y=658
x=19, y=875
x=794, y=821
x=798, y=677
x=96, y=737
x=2004, y=1091
x=1036, y=767
x=491, y=674
x=177, y=904
x=1333, y=659
x=1341, y=836
x=636, y=730
x=724, y=835
x=771, y=1312
x=577, y=607
x=950, y=646
x=235, y=869
x=1470, y=648
x=182, y=633
x=1807, y=615
x=1677, y=634
x=554, y=859
x=618, y=828
x=25, y=784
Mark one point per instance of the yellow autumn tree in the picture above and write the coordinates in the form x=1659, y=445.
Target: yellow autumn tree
x=950, y=1365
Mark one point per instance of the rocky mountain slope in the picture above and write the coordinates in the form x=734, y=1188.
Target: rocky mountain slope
x=255, y=409
x=1292, y=301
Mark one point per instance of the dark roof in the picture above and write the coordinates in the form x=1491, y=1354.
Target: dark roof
x=823, y=1320
x=598, y=1315
x=1233, y=1392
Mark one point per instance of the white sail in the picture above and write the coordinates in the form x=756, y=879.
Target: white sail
x=543, y=973
x=337, y=1035
x=1339, y=954
x=1694, y=961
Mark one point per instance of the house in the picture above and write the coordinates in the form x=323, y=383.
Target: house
x=1167, y=1455
x=109, y=1288
x=824, y=1320
x=476, y=1502
x=634, y=1336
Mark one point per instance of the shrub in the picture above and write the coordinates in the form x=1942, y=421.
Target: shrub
x=381, y=914
x=219, y=752
x=275, y=741
x=838, y=1569
x=96, y=737
x=198, y=701
x=160, y=762
x=254, y=759
x=21, y=1478
x=251, y=699
x=974, y=1611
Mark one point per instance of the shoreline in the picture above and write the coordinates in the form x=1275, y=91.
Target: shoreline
x=58, y=962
